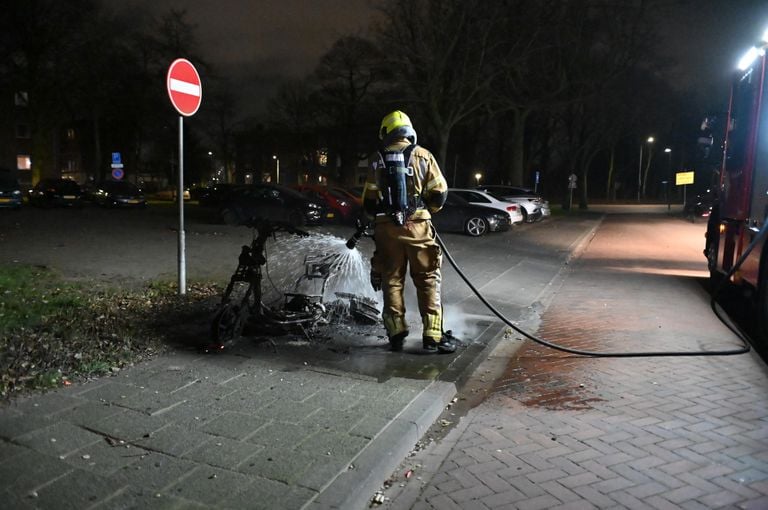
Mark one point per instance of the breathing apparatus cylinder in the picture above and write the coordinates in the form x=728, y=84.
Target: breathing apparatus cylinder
x=396, y=186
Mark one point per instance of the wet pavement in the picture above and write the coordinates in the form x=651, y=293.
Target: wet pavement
x=540, y=428
x=281, y=422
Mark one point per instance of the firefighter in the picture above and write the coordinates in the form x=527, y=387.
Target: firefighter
x=404, y=185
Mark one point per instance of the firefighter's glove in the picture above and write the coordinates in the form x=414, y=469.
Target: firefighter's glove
x=376, y=280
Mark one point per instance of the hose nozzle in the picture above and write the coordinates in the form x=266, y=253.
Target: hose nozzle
x=359, y=232
x=352, y=241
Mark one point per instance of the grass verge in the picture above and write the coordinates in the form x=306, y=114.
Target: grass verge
x=53, y=332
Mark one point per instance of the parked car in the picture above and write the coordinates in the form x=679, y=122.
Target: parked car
x=272, y=201
x=339, y=206
x=458, y=215
x=115, y=194
x=56, y=192
x=10, y=190
x=214, y=195
x=170, y=194
x=357, y=191
x=534, y=206
x=477, y=197
x=350, y=195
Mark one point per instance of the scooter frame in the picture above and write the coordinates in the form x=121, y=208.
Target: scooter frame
x=242, y=301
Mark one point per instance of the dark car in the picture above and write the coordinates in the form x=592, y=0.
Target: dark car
x=56, y=192
x=458, y=215
x=357, y=199
x=10, y=191
x=271, y=201
x=116, y=194
x=340, y=207
x=214, y=195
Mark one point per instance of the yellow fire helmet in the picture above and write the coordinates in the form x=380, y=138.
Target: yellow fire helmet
x=396, y=125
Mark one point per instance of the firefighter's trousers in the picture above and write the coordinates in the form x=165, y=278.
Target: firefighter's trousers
x=398, y=248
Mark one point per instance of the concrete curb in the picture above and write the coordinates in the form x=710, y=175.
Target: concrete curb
x=353, y=488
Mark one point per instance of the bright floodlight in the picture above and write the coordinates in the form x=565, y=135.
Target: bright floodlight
x=747, y=59
x=765, y=36
x=650, y=139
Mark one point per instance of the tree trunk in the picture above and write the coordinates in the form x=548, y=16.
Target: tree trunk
x=647, y=169
x=609, y=182
x=516, y=168
x=441, y=154
x=98, y=171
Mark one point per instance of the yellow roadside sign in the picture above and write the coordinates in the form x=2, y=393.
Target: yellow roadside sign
x=683, y=178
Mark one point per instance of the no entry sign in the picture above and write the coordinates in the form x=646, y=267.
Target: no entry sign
x=184, y=87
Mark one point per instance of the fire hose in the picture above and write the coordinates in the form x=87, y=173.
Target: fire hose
x=352, y=242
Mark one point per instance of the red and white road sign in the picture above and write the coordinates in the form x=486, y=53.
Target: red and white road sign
x=184, y=87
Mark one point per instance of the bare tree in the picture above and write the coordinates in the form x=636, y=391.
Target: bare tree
x=565, y=59
x=220, y=123
x=439, y=54
x=347, y=87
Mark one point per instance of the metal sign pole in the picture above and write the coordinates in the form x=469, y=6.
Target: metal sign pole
x=180, y=197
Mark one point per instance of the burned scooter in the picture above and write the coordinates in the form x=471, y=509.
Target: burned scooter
x=302, y=310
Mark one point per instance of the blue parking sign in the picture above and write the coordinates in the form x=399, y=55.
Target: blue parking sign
x=116, y=157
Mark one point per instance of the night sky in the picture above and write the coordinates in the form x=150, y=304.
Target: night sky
x=259, y=42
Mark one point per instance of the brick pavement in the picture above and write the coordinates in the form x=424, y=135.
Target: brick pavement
x=191, y=431
x=562, y=431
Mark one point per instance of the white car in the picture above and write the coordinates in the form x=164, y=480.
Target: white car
x=535, y=207
x=478, y=197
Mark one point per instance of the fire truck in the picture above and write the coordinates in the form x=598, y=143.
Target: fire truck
x=736, y=246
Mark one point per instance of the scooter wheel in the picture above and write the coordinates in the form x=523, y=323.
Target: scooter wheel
x=227, y=325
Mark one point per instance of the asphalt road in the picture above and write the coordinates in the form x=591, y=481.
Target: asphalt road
x=133, y=247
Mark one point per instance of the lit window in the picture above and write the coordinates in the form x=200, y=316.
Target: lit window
x=23, y=162
x=70, y=134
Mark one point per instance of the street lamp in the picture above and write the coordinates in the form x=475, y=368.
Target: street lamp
x=640, y=169
x=478, y=175
x=277, y=173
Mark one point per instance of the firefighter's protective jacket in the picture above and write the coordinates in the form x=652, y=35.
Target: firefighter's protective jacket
x=428, y=184
x=409, y=243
